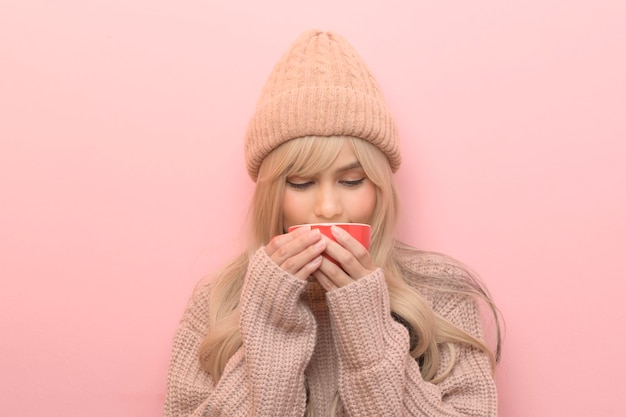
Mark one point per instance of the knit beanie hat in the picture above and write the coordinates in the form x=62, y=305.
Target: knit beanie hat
x=319, y=87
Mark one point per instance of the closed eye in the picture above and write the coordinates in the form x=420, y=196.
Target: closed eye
x=299, y=185
x=353, y=183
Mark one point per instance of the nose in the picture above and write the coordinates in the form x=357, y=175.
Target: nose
x=328, y=203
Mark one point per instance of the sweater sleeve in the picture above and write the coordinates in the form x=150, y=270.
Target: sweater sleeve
x=377, y=376
x=265, y=377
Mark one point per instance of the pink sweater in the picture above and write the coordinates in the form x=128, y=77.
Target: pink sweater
x=343, y=341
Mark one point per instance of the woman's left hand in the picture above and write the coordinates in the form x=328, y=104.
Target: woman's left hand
x=354, y=261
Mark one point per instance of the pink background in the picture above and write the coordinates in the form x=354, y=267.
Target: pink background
x=122, y=179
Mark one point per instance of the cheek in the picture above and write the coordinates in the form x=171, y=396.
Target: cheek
x=292, y=209
x=363, y=206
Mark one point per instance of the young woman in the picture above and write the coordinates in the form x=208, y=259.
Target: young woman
x=283, y=331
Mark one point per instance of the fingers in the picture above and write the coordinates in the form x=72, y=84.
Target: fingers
x=324, y=281
x=329, y=269
x=350, y=254
x=298, y=252
x=308, y=268
x=354, y=261
x=279, y=240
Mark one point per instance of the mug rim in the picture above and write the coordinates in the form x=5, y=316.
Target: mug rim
x=330, y=224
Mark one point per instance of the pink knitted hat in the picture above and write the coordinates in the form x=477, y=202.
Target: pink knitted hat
x=320, y=87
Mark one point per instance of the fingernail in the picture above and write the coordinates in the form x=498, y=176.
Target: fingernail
x=337, y=231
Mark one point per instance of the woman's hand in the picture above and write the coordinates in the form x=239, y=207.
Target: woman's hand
x=354, y=260
x=298, y=252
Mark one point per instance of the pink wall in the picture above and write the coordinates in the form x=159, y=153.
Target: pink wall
x=122, y=179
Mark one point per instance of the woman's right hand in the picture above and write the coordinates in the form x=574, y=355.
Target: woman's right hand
x=298, y=252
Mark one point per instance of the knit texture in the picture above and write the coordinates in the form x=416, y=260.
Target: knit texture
x=344, y=342
x=320, y=87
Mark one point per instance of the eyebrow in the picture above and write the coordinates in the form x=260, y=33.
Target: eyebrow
x=349, y=167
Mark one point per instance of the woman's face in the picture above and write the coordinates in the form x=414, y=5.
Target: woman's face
x=340, y=194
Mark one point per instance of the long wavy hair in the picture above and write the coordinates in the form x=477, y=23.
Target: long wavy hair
x=307, y=156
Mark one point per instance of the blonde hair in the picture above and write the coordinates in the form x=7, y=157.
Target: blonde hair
x=429, y=331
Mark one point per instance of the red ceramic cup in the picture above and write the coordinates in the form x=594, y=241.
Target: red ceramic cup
x=359, y=231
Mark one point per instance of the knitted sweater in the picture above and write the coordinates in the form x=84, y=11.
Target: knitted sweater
x=344, y=341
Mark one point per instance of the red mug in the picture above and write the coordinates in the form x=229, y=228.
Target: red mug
x=360, y=231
